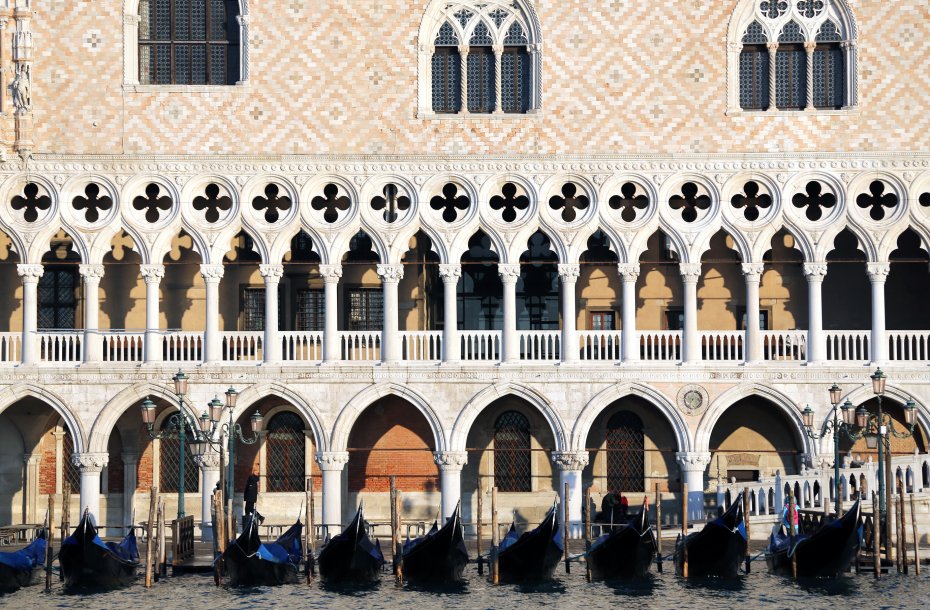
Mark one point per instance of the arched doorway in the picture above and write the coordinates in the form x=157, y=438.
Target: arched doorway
x=512, y=453
x=625, y=452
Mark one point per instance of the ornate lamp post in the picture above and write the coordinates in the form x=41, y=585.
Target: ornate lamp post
x=232, y=431
x=834, y=426
x=179, y=421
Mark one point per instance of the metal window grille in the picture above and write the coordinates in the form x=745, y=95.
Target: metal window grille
x=480, y=79
x=71, y=474
x=447, y=80
x=754, y=77
x=57, y=297
x=829, y=76
x=366, y=309
x=188, y=42
x=790, y=77
x=512, y=452
x=310, y=309
x=625, y=452
x=253, y=309
x=169, y=462
x=515, y=78
x=285, y=451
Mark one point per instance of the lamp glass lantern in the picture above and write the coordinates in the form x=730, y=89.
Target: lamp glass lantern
x=849, y=413
x=862, y=417
x=835, y=394
x=256, y=420
x=148, y=412
x=910, y=412
x=180, y=383
x=231, y=397
x=871, y=440
x=198, y=447
x=878, y=382
x=216, y=409
x=808, y=416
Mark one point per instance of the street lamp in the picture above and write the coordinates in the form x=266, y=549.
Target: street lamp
x=834, y=427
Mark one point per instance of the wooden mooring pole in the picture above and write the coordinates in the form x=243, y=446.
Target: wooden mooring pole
x=396, y=547
x=902, y=529
x=658, y=529
x=219, y=537
x=149, y=541
x=49, y=535
x=684, y=529
x=162, y=567
x=495, y=537
x=478, y=526
x=65, y=511
x=876, y=536
x=308, y=534
x=746, y=506
x=565, y=503
x=792, y=516
x=916, y=538
x=587, y=532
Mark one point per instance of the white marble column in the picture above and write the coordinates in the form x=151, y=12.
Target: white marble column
x=130, y=482
x=568, y=274
x=752, y=347
x=809, y=47
x=571, y=464
x=390, y=275
x=463, y=74
x=690, y=340
x=450, y=479
x=498, y=93
x=30, y=275
x=450, y=274
x=93, y=342
x=331, y=275
x=773, y=55
x=332, y=463
x=510, y=340
x=692, y=465
x=816, y=340
x=90, y=466
x=153, y=275
x=271, y=348
x=212, y=274
x=209, y=476
x=878, y=273
x=31, y=487
x=629, y=272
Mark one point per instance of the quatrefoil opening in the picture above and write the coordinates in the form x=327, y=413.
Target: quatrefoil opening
x=450, y=203
x=628, y=202
x=391, y=204
x=751, y=201
x=92, y=203
x=689, y=202
x=876, y=200
x=508, y=203
x=273, y=203
x=31, y=202
x=211, y=203
x=331, y=203
x=815, y=199
x=569, y=202
x=153, y=203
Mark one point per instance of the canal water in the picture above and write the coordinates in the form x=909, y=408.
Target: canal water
x=755, y=591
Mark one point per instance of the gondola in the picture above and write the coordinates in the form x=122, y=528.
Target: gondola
x=88, y=562
x=534, y=555
x=19, y=568
x=249, y=562
x=439, y=556
x=351, y=556
x=718, y=549
x=626, y=551
x=826, y=553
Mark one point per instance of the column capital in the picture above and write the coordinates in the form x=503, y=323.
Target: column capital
x=271, y=273
x=450, y=272
x=809, y=46
x=570, y=460
x=815, y=271
x=772, y=46
x=753, y=271
x=209, y=460
x=132, y=19
x=463, y=49
x=450, y=460
x=30, y=273
x=690, y=272
x=509, y=273
x=331, y=273
x=878, y=272
x=628, y=271
x=693, y=461
x=130, y=458
x=569, y=272
x=390, y=274
x=332, y=460
x=212, y=273
x=90, y=462
x=91, y=272
x=152, y=274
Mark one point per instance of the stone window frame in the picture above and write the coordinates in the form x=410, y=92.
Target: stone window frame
x=837, y=11
x=440, y=11
x=131, y=20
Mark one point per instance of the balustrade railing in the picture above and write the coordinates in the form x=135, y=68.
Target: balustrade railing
x=540, y=344
x=241, y=346
x=11, y=347
x=360, y=346
x=909, y=345
x=722, y=345
x=123, y=346
x=600, y=345
x=61, y=346
x=480, y=345
x=421, y=346
x=660, y=345
x=848, y=346
x=182, y=346
x=784, y=345
x=303, y=346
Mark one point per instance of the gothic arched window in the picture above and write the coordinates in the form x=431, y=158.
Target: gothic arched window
x=625, y=452
x=829, y=72
x=284, y=445
x=169, y=461
x=446, y=69
x=512, y=470
x=791, y=69
x=188, y=42
x=754, y=69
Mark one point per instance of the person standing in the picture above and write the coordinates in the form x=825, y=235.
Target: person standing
x=250, y=495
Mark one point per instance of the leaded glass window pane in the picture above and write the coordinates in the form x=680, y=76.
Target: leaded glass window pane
x=480, y=79
x=145, y=19
x=515, y=35
x=286, y=453
x=366, y=309
x=217, y=20
x=253, y=309
x=447, y=84
x=57, y=298
x=625, y=452
x=310, y=310
x=199, y=20
x=182, y=19
x=829, y=76
x=515, y=77
x=182, y=65
x=446, y=36
x=754, y=78
x=791, y=33
x=199, y=64
x=217, y=63
x=169, y=462
x=480, y=36
x=790, y=77
x=755, y=34
x=162, y=19
x=828, y=33
x=512, y=455
x=71, y=474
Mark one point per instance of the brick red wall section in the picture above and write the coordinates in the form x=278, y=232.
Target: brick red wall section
x=47, y=465
x=392, y=438
x=144, y=473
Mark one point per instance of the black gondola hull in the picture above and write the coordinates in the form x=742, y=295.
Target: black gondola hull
x=256, y=572
x=534, y=556
x=827, y=553
x=626, y=553
x=718, y=550
x=344, y=561
x=12, y=580
x=90, y=566
x=439, y=558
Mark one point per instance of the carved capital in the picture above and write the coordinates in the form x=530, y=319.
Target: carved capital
x=628, y=271
x=570, y=460
x=90, y=462
x=212, y=273
x=391, y=274
x=497, y=49
x=132, y=20
x=753, y=271
x=91, y=273
x=815, y=272
x=772, y=47
x=450, y=460
x=130, y=459
x=691, y=461
x=331, y=273
x=332, y=460
x=878, y=272
x=152, y=274
x=569, y=272
x=463, y=50
x=209, y=460
x=509, y=273
x=734, y=47
x=30, y=273
x=690, y=272
x=450, y=272
x=271, y=273
x=243, y=20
